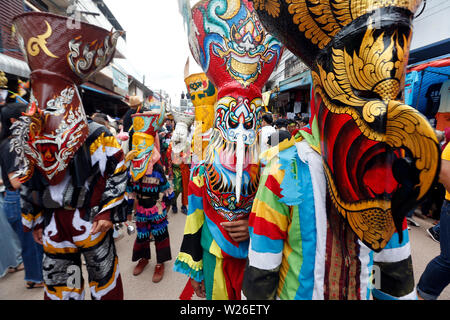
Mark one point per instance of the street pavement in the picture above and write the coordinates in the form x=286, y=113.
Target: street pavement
x=12, y=286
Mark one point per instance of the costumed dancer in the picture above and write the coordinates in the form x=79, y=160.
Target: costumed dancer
x=203, y=95
x=77, y=193
x=179, y=149
x=238, y=56
x=147, y=185
x=332, y=201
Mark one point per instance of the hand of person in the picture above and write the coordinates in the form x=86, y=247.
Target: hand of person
x=101, y=226
x=238, y=230
x=199, y=288
x=37, y=235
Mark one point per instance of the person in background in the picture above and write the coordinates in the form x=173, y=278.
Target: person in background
x=11, y=253
x=437, y=273
x=267, y=130
x=3, y=88
x=32, y=252
x=431, y=207
x=304, y=122
x=292, y=126
x=281, y=124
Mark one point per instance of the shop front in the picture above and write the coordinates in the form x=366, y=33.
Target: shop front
x=292, y=97
x=427, y=86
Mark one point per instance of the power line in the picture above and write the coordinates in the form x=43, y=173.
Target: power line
x=432, y=14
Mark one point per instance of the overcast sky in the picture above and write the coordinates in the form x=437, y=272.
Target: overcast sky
x=157, y=42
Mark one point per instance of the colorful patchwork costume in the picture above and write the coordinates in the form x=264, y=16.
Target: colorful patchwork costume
x=147, y=185
x=81, y=176
x=331, y=204
x=179, y=150
x=238, y=56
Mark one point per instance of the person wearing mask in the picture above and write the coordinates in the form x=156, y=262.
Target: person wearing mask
x=147, y=186
x=73, y=171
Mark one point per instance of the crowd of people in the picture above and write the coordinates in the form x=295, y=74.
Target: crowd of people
x=146, y=206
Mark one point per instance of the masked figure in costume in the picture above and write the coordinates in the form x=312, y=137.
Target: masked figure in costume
x=73, y=171
x=203, y=95
x=147, y=185
x=332, y=201
x=238, y=56
x=179, y=150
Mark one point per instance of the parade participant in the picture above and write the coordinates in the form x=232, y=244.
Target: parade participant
x=238, y=56
x=76, y=194
x=135, y=103
x=179, y=150
x=332, y=201
x=147, y=185
x=203, y=95
x=165, y=135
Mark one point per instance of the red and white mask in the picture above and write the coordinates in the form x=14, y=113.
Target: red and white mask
x=55, y=125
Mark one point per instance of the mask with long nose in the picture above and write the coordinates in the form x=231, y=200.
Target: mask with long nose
x=238, y=56
x=380, y=156
x=60, y=58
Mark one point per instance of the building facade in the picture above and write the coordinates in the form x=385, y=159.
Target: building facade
x=108, y=91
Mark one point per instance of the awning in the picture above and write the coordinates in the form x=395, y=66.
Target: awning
x=95, y=88
x=430, y=51
x=444, y=62
x=300, y=80
x=14, y=66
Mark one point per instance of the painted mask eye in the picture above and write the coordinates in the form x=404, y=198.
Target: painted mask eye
x=232, y=124
x=248, y=125
x=235, y=35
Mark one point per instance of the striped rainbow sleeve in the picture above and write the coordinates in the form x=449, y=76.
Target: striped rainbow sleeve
x=268, y=227
x=268, y=221
x=190, y=258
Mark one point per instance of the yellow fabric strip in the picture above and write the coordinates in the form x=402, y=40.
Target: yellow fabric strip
x=219, y=291
x=114, y=202
x=103, y=142
x=194, y=222
x=187, y=258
